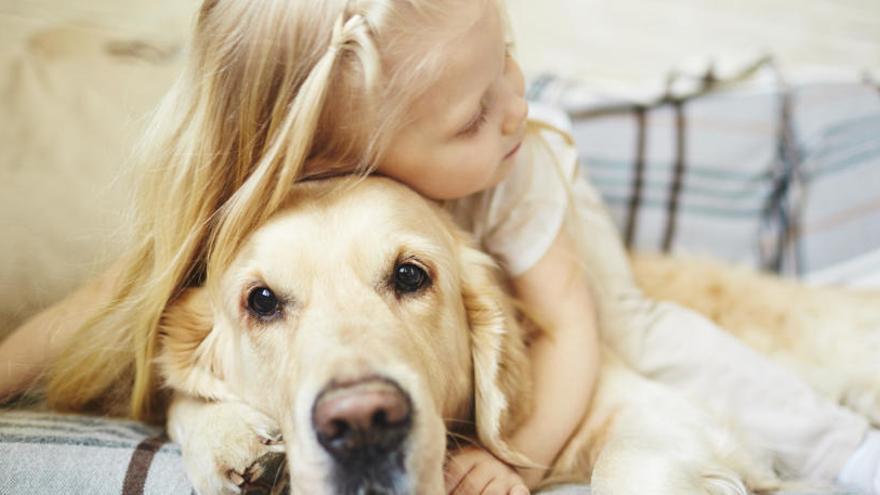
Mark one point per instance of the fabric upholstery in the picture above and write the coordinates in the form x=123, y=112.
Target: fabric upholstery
x=746, y=165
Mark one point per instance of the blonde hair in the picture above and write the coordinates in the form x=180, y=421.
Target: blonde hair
x=275, y=91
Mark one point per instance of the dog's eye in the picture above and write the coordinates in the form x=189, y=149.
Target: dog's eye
x=409, y=278
x=263, y=302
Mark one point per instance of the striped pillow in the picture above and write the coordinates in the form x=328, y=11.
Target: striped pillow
x=48, y=453
x=744, y=166
x=54, y=453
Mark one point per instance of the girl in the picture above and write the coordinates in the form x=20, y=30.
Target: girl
x=423, y=91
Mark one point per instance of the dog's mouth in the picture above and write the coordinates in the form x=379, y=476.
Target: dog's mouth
x=384, y=476
x=364, y=426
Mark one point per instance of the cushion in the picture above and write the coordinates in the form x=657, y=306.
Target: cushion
x=50, y=453
x=46, y=453
x=737, y=163
x=79, y=80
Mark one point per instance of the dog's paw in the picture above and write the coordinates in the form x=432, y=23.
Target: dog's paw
x=228, y=447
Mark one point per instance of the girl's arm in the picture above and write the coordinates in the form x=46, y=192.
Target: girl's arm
x=565, y=363
x=26, y=353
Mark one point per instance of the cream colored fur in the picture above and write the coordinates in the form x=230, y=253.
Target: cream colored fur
x=830, y=337
x=456, y=348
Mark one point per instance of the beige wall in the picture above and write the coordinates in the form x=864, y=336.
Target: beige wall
x=620, y=39
x=19, y=19
x=633, y=39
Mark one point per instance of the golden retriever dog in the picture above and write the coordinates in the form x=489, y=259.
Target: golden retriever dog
x=363, y=334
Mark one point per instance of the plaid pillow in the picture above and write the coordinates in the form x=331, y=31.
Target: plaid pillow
x=50, y=453
x=54, y=453
x=838, y=126
x=735, y=163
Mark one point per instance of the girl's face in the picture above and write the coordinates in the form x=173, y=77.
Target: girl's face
x=467, y=128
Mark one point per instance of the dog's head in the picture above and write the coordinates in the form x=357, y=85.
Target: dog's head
x=368, y=325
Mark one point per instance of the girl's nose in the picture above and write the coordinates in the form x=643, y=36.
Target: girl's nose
x=516, y=109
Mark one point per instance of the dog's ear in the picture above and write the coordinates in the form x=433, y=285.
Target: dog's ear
x=189, y=351
x=502, y=375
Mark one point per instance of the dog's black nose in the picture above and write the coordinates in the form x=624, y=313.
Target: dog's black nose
x=362, y=422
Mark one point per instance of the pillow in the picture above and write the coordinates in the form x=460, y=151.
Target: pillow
x=736, y=162
x=46, y=453
x=55, y=453
x=50, y=453
x=74, y=101
x=837, y=125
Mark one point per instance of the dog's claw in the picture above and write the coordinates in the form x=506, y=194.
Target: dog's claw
x=251, y=478
x=254, y=471
x=273, y=438
x=266, y=475
x=236, y=478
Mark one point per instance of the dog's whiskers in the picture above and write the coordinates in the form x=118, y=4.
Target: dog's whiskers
x=461, y=421
x=457, y=441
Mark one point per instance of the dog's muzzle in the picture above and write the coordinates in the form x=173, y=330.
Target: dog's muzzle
x=364, y=426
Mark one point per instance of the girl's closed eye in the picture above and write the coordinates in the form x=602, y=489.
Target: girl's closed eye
x=476, y=123
x=474, y=126
x=481, y=117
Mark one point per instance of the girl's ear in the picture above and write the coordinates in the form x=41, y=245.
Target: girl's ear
x=502, y=375
x=188, y=355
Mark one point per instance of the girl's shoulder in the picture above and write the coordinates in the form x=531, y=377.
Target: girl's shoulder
x=550, y=118
x=549, y=143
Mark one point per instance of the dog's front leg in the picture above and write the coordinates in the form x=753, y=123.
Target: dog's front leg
x=225, y=445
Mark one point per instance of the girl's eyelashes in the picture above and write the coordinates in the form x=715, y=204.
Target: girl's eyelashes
x=474, y=126
x=477, y=122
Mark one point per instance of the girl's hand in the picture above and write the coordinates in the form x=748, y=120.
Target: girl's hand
x=473, y=470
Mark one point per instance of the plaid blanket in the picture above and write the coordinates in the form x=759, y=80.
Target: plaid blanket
x=737, y=162
x=48, y=453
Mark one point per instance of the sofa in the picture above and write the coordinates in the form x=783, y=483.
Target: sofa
x=745, y=159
